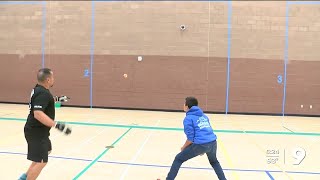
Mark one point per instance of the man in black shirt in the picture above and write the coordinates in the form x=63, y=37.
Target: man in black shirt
x=39, y=123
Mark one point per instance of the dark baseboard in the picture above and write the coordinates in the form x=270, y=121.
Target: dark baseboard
x=6, y=102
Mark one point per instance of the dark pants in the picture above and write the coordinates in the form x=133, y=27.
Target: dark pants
x=39, y=145
x=194, y=150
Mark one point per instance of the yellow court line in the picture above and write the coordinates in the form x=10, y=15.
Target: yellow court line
x=225, y=153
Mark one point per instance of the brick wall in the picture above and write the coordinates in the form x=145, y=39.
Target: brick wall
x=20, y=29
x=175, y=63
x=303, y=80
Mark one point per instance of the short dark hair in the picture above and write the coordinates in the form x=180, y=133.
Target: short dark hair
x=43, y=74
x=191, y=101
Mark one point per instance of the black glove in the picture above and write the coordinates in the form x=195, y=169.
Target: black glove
x=63, y=128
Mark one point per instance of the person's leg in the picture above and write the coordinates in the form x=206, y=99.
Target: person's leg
x=190, y=152
x=212, y=156
x=31, y=166
x=24, y=175
x=29, y=140
x=35, y=170
x=38, y=151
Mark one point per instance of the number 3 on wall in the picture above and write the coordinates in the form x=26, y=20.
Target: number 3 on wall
x=279, y=79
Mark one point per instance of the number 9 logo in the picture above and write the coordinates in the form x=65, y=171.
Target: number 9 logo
x=298, y=154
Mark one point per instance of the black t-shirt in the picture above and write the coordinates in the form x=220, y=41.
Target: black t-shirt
x=41, y=99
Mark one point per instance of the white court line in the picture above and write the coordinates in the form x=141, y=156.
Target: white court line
x=85, y=142
x=58, y=134
x=138, y=153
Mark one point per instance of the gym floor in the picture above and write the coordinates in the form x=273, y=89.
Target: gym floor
x=146, y=142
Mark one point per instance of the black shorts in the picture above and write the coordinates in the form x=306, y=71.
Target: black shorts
x=38, y=147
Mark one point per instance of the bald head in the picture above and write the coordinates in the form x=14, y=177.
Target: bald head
x=43, y=74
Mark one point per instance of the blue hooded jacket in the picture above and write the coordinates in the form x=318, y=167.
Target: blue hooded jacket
x=197, y=126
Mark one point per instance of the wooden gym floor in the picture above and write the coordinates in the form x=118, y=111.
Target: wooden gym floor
x=146, y=142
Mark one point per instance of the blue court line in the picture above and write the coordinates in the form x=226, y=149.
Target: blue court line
x=270, y=176
x=286, y=47
x=92, y=49
x=44, y=25
x=228, y=53
x=175, y=129
x=100, y=155
x=165, y=166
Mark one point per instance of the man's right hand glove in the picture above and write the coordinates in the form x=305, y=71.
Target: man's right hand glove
x=63, y=128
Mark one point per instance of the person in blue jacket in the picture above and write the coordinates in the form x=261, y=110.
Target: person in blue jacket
x=200, y=139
